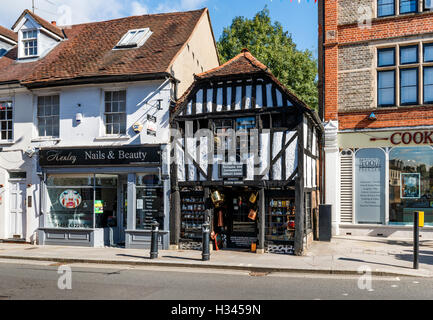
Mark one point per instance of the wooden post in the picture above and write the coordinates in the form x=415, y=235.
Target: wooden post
x=262, y=221
x=175, y=212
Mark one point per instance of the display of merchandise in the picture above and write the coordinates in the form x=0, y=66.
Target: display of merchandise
x=193, y=212
x=281, y=220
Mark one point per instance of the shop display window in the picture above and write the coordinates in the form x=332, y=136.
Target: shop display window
x=70, y=201
x=410, y=184
x=280, y=219
x=150, y=201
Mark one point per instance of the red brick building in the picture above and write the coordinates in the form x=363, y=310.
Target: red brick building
x=376, y=93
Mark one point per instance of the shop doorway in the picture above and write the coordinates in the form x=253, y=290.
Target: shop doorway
x=17, y=209
x=110, y=207
x=235, y=221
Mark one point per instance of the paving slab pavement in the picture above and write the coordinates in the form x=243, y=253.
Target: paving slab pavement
x=343, y=255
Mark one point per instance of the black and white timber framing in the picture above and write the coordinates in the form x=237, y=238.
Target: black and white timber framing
x=288, y=143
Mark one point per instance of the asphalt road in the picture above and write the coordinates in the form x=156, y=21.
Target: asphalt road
x=39, y=280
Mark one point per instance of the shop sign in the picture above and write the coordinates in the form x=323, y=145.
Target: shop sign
x=100, y=156
x=370, y=186
x=235, y=170
x=419, y=137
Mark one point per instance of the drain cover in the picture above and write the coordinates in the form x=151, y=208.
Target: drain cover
x=259, y=274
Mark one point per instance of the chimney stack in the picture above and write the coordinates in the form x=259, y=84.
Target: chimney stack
x=54, y=23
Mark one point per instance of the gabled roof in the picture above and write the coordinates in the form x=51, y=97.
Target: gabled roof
x=8, y=34
x=88, y=53
x=45, y=24
x=243, y=63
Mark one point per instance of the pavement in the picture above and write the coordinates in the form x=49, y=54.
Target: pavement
x=343, y=255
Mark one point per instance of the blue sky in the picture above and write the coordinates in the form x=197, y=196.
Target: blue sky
x=299, y=17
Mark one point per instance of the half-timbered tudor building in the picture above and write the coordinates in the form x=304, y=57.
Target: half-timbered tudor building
x=247, y=156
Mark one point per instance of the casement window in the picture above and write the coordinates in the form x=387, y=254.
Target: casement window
x=386, y=8
x=409, y=86
x=134, y=38
x=48, y=116
x=30, y=43
x=115, y=112
x=6, y=120
x=411, y=69
x=408, y=6
x=386, y=77
x=428, y=85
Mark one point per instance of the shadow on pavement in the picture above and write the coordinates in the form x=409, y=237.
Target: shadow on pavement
x=131, y=256
x=369, y=262
x=182, y=258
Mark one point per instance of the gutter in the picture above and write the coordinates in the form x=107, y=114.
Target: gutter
x=99, y=79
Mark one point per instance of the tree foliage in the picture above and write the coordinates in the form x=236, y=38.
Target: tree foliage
x=274, y=47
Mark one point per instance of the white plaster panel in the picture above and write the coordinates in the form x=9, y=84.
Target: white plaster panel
x=199, y=102
x=291, y=155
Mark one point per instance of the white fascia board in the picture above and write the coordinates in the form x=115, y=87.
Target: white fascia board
x=9, y=41
x=26, y=18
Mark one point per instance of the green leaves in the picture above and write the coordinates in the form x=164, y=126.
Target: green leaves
x=274, y=47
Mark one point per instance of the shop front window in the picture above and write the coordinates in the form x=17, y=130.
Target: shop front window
x=150, y=201
x=70, y=201
x=410, y=184
x=81, y=201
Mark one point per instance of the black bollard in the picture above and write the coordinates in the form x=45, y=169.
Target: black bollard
x=154, y=241
x=415, y=241
x=206, y=232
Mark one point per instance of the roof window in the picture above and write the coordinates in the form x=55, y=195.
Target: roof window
x=134, y=38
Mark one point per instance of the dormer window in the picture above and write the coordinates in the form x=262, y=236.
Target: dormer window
x=30, y=43
x=134, y=38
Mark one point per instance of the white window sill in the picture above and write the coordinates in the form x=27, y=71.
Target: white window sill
x=45, y=139
x=6, y=142
x=107, y=138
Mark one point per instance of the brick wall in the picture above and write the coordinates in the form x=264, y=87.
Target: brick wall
x=349, y=72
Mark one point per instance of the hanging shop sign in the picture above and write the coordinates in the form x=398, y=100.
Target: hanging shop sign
x=70, y=199
x=100, y=156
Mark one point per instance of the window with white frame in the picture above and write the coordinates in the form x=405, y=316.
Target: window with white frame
x=134, y=38
x=6, y=120
x=30, y=43
x=48, y=116
x=115, y=112
x=405, y=75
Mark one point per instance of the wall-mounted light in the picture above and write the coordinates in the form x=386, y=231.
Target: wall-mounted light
x=372, y=117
